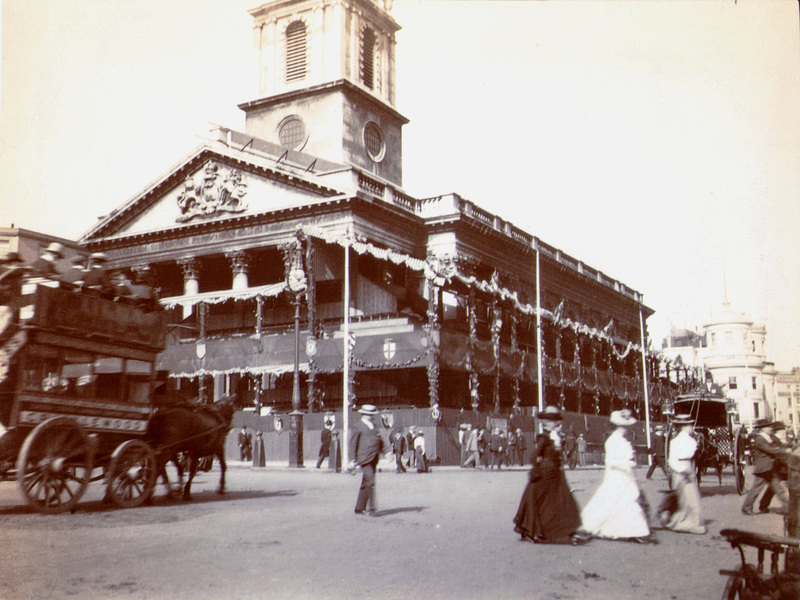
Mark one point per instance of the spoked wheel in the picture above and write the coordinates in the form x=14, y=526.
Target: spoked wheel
x=733, y=588
x=131, y=474
x=54, y=465
x=739, y=461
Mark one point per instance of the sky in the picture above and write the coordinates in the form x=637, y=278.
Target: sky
x=655, y=140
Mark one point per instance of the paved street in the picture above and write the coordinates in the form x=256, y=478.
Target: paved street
x=282, y=533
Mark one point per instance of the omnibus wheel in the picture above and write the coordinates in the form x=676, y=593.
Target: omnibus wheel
x=55, y=465
x=131, y=474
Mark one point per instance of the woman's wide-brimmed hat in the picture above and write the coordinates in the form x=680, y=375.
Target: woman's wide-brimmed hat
x=551, y=413
x=683, y=420
x=368, y=409
x=622, y=418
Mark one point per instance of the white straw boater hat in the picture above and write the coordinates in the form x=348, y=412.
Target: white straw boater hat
x=622, y=418
x=368, y=409
x=551, y=413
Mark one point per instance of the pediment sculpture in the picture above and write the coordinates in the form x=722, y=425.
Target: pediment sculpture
x=211, y=193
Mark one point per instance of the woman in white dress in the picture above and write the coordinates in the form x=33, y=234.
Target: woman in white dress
x=682, y=449
x=614, y=511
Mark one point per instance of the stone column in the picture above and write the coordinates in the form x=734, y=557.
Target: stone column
x=191, y=286
x=239, y=265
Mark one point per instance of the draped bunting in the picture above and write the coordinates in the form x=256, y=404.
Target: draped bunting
x=445, y=269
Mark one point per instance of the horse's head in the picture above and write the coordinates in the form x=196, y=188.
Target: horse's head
x=225, y=408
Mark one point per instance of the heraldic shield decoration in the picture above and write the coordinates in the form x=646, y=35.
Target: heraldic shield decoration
x=213, y=192
x=389, y=348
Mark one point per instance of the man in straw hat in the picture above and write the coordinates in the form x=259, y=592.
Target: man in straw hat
x=47, y=265
x=684, y=479
x=366, y=446
x=767, y=448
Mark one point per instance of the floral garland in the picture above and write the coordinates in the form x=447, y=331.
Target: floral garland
x=444, y=269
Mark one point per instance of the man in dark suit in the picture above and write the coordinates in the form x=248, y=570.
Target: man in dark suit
x=766, y=448
x=366, y=446
x=657, y=451
x=399, y=448
x=324, y=443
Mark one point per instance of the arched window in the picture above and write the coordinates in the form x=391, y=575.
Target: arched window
x=296, y=51
x=368, y=56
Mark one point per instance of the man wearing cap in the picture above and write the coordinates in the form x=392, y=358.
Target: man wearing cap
x=684, y=480
x=366, y=446
x=766, y=449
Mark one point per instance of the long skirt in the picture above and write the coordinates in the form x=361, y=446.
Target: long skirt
x=687, y=517
x=614, y=510
x=547, y=511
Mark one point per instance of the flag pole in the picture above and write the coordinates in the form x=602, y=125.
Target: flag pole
x=644, y=381
x=346, y=356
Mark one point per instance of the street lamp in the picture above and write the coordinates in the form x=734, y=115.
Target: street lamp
x=296, y=284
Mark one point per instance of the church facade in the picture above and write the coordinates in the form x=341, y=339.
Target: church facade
x=291, y=247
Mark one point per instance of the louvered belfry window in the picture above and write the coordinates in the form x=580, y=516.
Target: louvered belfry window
x=368, y=58
x=296, y=51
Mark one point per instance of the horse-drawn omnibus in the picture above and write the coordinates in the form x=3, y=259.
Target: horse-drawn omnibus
x=721, y=442
x=77, y=374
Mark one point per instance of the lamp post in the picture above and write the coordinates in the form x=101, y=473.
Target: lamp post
x=296, y=284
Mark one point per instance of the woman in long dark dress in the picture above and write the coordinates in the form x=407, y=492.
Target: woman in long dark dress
x=548, y=514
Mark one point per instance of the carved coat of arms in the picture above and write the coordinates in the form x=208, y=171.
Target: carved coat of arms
x=217, y=191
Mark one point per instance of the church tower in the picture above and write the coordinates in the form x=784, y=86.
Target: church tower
x=327, y=82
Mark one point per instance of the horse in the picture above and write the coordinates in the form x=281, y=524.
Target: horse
x=197, y=431
x=707, y=456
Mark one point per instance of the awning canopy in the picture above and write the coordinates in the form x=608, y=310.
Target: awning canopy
x=217, y=297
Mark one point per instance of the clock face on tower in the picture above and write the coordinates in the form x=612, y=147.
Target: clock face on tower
x=373, y=142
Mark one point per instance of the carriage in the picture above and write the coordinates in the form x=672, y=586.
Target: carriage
x=721, y=443
x=77, y=374
x=763, y=580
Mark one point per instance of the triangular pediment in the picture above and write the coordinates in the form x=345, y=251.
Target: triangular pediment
x=210, y=186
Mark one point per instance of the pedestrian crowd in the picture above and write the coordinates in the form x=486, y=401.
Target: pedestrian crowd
x=618, y=510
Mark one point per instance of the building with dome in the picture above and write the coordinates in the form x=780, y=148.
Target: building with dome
x=734, y=355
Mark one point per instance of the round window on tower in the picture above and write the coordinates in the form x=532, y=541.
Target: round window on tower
x=292, y=133
x=373, y=142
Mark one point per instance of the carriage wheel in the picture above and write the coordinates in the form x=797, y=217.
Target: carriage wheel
x=54, y=465
x=739, y=461
x=131, y=475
